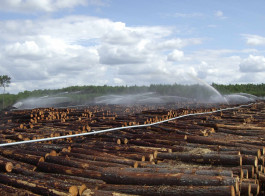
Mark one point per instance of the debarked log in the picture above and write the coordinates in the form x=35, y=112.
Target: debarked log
x=214, y=159
x=171, y=190
x=119, y=176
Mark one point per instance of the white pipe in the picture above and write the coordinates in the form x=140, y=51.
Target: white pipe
x=118, y=128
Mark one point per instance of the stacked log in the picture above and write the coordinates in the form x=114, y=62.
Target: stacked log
x=214, y=154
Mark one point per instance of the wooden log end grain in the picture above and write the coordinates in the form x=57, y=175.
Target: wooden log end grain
x=155, y=154
x=53, y=153
x=82, y=188
x=125, y=141
x=136, y=164
x=118, y=141
x=73, y=191
x=8, y=166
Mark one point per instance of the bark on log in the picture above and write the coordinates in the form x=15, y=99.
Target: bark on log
x=196, y=171
x=30, y=185
x=6, y=166
x=67, y=162
x=112, y=159
x=62, y=184
x=172, y=190
x=255, y=188
x=249, y=160
x=95, y=164
x=60, y=169
x=118, y=176
x=95, y=192
x=89, y=182
x=214, y=159
x=27, y=158
x=6, y=190
x=245, y=188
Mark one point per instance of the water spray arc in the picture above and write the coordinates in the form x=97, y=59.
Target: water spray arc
x=217, y=96
x=121, y=128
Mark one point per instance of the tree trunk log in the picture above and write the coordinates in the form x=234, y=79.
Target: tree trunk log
x=213, y=159
x=196, y=171
x=35, y=186
x=6, y=166
x=172, y=190
x=119, y=176
x=6, y=190
x=111, y=159
x=60, y=169
x=27, y=158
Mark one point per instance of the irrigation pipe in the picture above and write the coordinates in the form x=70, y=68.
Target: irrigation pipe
x=119, y=128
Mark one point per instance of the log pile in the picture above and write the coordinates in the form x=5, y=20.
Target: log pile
x=222, y=153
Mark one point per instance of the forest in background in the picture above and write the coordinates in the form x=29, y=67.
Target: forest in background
x=79, y=94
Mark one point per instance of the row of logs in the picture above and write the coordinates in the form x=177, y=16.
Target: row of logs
x=200, y=155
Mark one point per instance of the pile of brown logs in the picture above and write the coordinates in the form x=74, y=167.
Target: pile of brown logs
x=222, y=153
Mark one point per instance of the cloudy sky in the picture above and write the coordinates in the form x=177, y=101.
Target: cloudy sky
x=47, y=44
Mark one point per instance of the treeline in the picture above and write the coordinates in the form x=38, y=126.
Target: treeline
x=254, y=89
x=80, y=93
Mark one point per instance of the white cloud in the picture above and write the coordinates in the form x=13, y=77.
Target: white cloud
x=118, y=81
x=253, y=64
x=173, y=43
x=254, y=40
x=219, y=66
x=45, y=5
x=113, y=55
x=52, y=53
x=252, y=77
x=176, y=55
x=83, y=50
x=39, y=5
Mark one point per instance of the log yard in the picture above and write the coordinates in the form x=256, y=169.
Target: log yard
x=169, y=149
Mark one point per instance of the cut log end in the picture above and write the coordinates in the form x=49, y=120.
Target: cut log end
x=53, y=153
x=135, y=165
x=73, y=191
x=118, y=141
x=8, y=166
x=42, y=159
x=82, y=188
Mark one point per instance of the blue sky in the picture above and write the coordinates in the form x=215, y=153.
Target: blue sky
x=54, y=43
